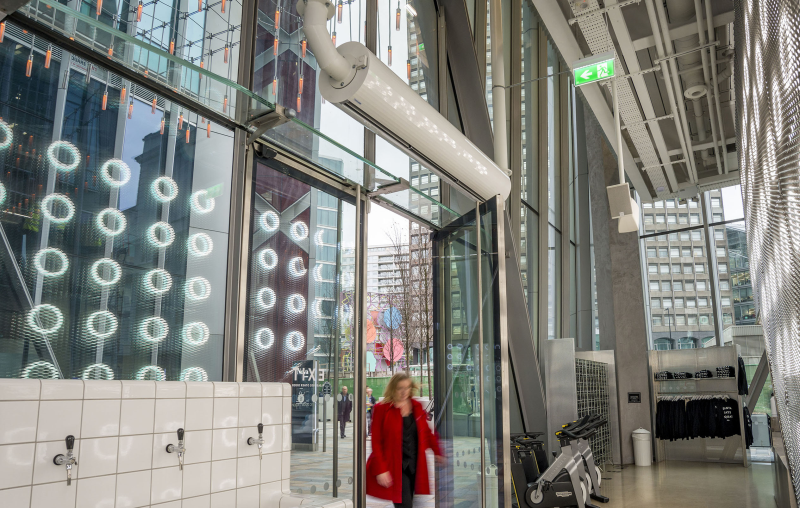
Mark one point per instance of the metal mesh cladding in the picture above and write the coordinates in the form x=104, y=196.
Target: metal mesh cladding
x=768, y=96
x=592, y=385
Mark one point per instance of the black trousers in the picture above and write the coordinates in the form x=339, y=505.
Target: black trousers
x=342, y=423
x=408, y=490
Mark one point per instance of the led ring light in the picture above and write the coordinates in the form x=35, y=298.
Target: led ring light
x=154, y=238
x=160, y=323
x=195, y=334
x=74, y=155
x=116, y=272
x=296, y=303
x=264, y=262
x=110, y=321
x=194, y=374
x=3, y=193
x=291, y=337
x=101, y=368
x=169, y=184
x=51, y=370
x=65, y=201
x=319, y=237
x=195, y=202
x=35, y=313
x=155, y=370
x=9, y=134
x=269, y=221
x=266, y=298
x=107, y=175
x=150, y=284
x=318, y=308
x=119, y=220
x=205, y=291
x=299, y=231
x=40, y=259
x=263, y=333
x=294, y=271
x=200, y=245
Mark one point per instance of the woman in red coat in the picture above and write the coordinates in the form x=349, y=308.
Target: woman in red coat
x=398, y=467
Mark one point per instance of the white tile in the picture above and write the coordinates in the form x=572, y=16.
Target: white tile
x=248, y=472
x=226, y=413
x=196, y=479
x=287, y=410
x=20, y=389
x=291, y=501
x=59, y=419
x=226, y=389
x=97, y=492
x=246, y=450
x=62, y=389
x=286, y=472
x=102, y=390
x=271, y=495
x=197, y=502
x=199, y=413
x=272, y=410
x=223, y=475
x=199, y=389
x=287, y=389
x=224, y=499
x=138, y=389
x=16, y=465
x=247, y=498
x=162, y=458
x=137, y=416
x=16, y=498
x=44, y=470
x=133, y=489
x=98, y=457
x=100, y=418
x=287, y=438
x=271, y=390
x=271, y=468
x=18, y=421
x=170, y=415
x=171, y=504
x=166, y=485
x=170, y=390
x=198, y=446
x=249, y=412
x=225, y=444
x=135, y=453
x=54, y=494
x=249, y=390
x=273, y=438
x=286, y=486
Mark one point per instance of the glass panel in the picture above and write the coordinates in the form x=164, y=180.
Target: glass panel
x=116, y=215
x=529, y=263
x=553, y=137
x=554, y=284
x=530, y=106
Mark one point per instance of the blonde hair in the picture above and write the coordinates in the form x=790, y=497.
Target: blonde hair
x=391, y=388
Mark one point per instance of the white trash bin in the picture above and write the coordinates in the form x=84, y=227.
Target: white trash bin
x=642, y=447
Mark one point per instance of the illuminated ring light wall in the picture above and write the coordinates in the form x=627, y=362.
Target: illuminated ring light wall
x=195, y=334
x=94, y=272
x=65, y=201
x=295, y=341
x=9, y=135
x=294, y=271
x=155, y=370
x=193, y=295
x=3, y=193
x=154, y=238
x=36, y=311
x=298, y=231
x=170, y=186
x=319, y=237
x=198, y=240
x=102, y=368
x=150, y=285
x=266, y=298
x=318, y=308
x=194, y=202
x=40, y=259
x=119, y=220
x=264, y=333
x=269, y=221
x=107, y=175
x=267, y=264
x=296, y=304
x=47, y=366
x=163, y=329
x=110, y=320
x=73, y=152
x=194, y=374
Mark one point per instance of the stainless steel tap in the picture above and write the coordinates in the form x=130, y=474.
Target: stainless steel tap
x=259, y=441
x=67, y=460
x=179, y=448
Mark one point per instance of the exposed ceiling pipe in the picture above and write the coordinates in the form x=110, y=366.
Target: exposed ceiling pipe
x=651, y=14
x=715, y=84
x=702, y=39
x=498, y=84
x=315, y=21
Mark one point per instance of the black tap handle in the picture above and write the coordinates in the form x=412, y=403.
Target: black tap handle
x=180, y=434
x=260, y=428
x=70, y=442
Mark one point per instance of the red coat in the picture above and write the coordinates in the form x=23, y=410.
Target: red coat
x=387, y=451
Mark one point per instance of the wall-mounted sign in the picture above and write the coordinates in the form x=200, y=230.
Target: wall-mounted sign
x=594, y=68
x=304, y=388
x=634, y=397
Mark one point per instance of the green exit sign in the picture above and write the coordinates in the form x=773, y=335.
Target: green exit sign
x=594, y=68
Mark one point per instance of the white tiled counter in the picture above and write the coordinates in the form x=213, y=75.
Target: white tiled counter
x=122, y=429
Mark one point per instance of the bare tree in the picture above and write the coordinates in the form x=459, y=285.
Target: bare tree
x=404, y=294
x=423, y=280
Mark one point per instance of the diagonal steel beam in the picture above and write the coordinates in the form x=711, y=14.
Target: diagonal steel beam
x=757, y=384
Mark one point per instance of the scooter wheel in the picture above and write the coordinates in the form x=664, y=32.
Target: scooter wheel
x=533, y=496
